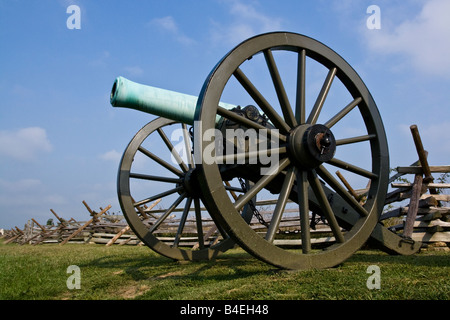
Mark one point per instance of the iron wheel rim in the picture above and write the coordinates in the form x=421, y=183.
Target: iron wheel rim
x=127, y=204
x=223, y=209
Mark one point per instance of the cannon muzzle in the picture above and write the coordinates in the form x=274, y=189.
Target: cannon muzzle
x=160, y=102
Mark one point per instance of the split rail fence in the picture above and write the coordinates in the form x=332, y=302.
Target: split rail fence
x=421, y=214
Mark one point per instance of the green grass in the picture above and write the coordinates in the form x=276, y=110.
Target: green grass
x=131, y=272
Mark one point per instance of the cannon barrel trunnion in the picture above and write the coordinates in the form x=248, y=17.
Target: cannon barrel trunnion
x=291, y=142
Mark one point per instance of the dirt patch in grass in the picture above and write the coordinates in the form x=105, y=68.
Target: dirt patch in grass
x=132, y=291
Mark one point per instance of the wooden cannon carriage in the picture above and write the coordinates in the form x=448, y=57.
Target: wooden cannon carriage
x=255, y=132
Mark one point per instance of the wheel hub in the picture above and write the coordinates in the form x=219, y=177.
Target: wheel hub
x=190, y=183
x=311, y=145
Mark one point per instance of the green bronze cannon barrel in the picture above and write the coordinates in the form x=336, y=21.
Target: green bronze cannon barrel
x=159, y=102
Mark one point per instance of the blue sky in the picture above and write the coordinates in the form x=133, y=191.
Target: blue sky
x=61, y=141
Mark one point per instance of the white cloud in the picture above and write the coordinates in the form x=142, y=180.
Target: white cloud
x=166, y=23
x=27, y=192
x=54, y=199
x=20, y=185
x=169, y=25
x=434, y=140
x=435, y=137
x=246, y=22
x=133, y=71
x=101, y=59
x=24, y=144
x=111, y=155
x=423, y=39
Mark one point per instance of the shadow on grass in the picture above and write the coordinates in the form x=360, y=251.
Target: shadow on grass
x=238, y=265
x=237, y=275
x=419, y=259
x=228, y=266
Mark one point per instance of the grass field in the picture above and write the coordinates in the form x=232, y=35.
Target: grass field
x=135, y=272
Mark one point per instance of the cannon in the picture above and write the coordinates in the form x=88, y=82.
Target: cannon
x=276, y=116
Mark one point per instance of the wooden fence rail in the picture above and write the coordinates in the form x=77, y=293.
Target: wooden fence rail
x=421, y=215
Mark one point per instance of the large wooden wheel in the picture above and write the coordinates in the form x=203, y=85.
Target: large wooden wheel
x=324, y=119
x=155, y=168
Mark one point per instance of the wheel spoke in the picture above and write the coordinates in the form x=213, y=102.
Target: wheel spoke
x=233, y=190
x=261, y=101
x=172, y=150
x=154, y=178
x=187, y=146
x=342, y=113
x=325, y=206
x=281, y=203
x=182, y=222
x=198, y=221
x=160, y=195
x=166, y=214
x=314, y=115
x=252, y=155
x=279, y=88
x=249, y=123
x=368, y=137
x=297, y=165
x=302, y=191
x=326, y=175
x=352, y=168
x=300, y=113
x=264, y=181
x=160, y=161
